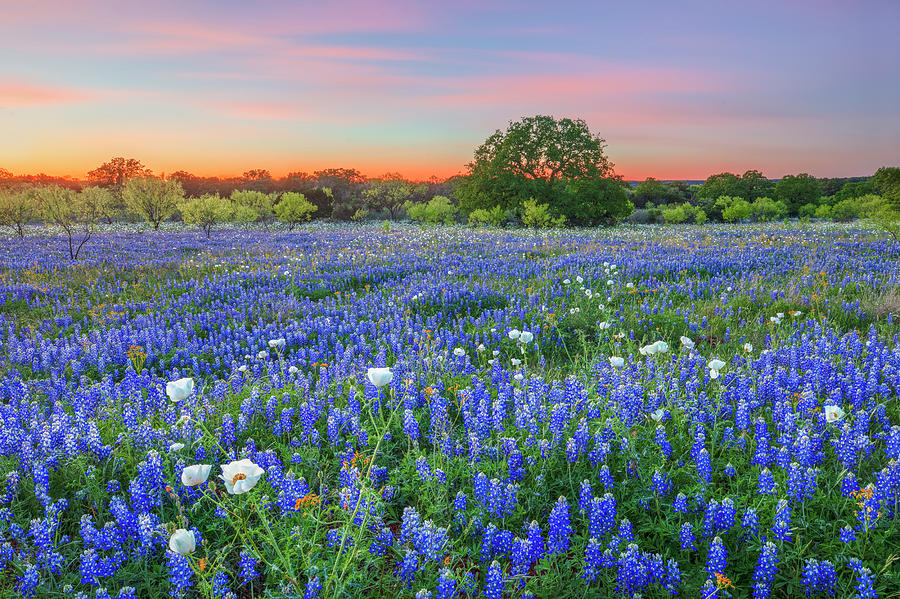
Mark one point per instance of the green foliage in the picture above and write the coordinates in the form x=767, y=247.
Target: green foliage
x=722, y=184
x=535, y=158
x=18, y=207
x=206, y=211
x=797, y=190
x=734, y=209
x=700, y=216
x=855, y=189
x=651, y=190
x=437, y=210
x=593, y=200
x=766, y=209
x=153, y=198
x=823, y=211
x=845, y=210
x=75, y=213
x=293, y=208
x=675, y=214
x=388, y=192
x=253, y=206
x=537, y=216
x=807, y=210
x=360, y=215
x=887, y=180
x=493, y=217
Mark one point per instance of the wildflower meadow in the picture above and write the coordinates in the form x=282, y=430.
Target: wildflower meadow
x=444, y=413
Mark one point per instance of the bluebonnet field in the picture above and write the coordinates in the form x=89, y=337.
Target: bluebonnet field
x=701, y=412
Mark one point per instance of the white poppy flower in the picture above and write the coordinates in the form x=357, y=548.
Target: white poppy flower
x=748, y=347
x=616, y=361
x=579, y=279
x=516, y=361
x=514, y=334
x=459, y=352
x=687, y=342
x=176, y=447
x=566, y=281
x=273, y=343
x=658, y=414
x=604, y=325
x=661, y=347
x=293, y=370
x=380, y=376
x=526, y=337
x=834, y=413
x=240, y=476
x=481, y=347
x=519, y=377
x=495, y=353
x=182, y=541
x=262, y=355
x=195, y=475
x=180, y=389
x=242, y=368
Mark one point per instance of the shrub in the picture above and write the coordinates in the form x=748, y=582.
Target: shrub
x=845, y=210
x=206, y=211
x=823, y=211
x=734, y=209
x=17, y=208
x=538, y=216
x=492, y=217
x=153, y=198
x=766, y=209
x=293, y=208
x=435, y=211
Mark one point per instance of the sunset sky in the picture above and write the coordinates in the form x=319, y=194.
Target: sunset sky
x=679, y=90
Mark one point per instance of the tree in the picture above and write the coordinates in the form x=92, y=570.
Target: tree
x=855, y=189
x=294, y=208
x=722, y=184
x=257, y=206
x=538, y=216
x=767, y=209
x=592, y=201
x=153, y=198
x=734, y=209
x=887, y=180
x=797, y=190
x=206, y=211
x=257, y=179
x=17, y=208
x=651, y=190
x=114, y=174
x=438, y=210
x=753, y=185
x=492, y=217
x=389, y=192
x=75, y=213
x=535, y=157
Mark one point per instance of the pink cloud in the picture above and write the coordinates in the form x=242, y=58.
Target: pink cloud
x=26, y=94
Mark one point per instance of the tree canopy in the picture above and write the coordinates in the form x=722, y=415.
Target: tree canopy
x=537, y=157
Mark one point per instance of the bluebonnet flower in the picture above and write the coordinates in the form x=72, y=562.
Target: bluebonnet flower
x=493, y=587
x=680, y=504
x=559, y=528
x=180, y=573
x=782, y=525
x=593, y=554
x=848, y=534
x=718, y=557
x=765, y=571
x=407, y=568
x=766, y=484
x=687, y=537
x=661, y=483
x=446, y=586
x=247, y=564
x=819, y=577
x=313, y=586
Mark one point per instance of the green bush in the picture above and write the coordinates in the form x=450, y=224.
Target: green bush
x=293, y=208
x=766, y=209
x=734, y=209
x=823, y=211
x=845, y=210
x=206, y=211
x=437, y=210
x=492, y=217
x=538, y=216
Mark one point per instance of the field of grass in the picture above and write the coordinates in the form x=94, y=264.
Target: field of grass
x=641, y=411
